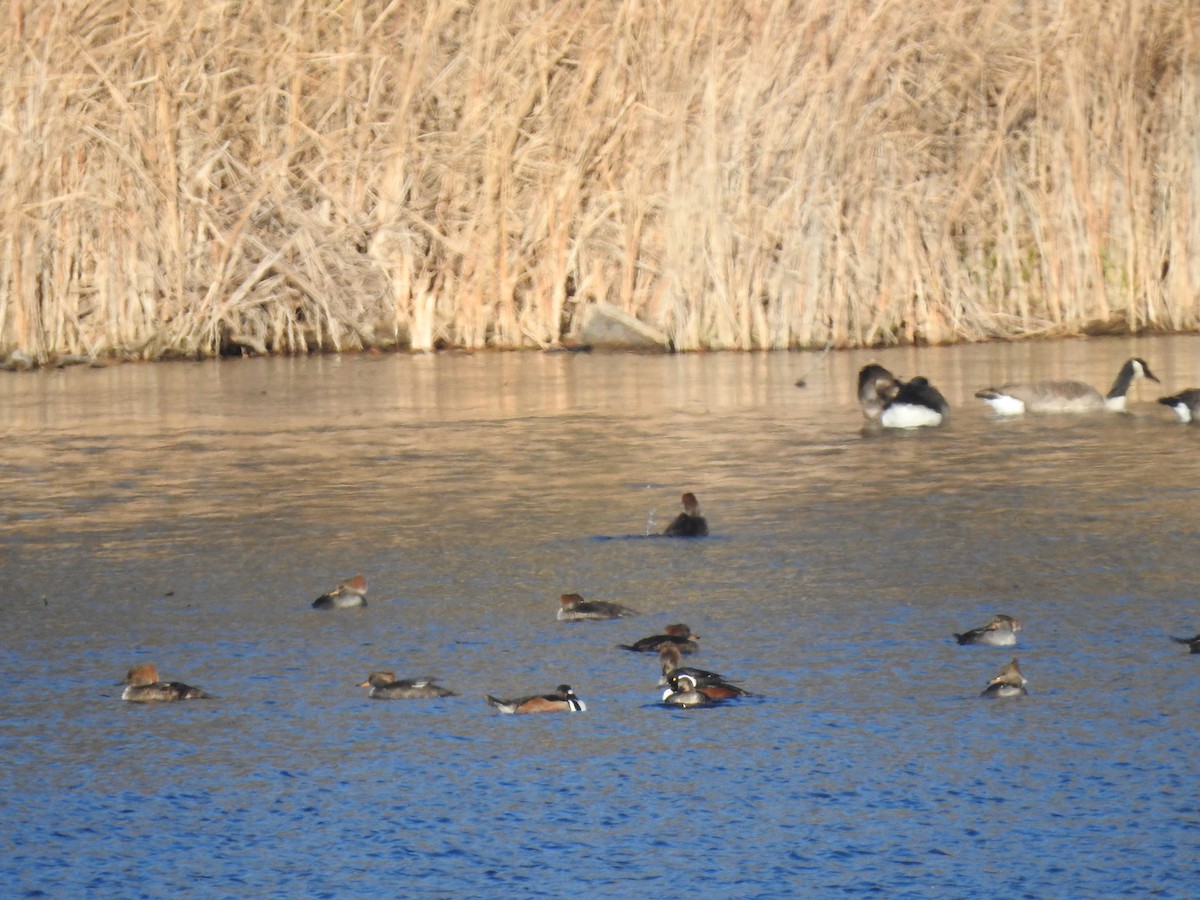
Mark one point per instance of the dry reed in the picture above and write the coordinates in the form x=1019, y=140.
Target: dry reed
x=196, y=178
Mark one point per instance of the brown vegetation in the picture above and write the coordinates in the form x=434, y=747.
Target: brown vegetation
x=189, y=178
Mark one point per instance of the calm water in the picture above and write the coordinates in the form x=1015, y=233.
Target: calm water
x=187, y=514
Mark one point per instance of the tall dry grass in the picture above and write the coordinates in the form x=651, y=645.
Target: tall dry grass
x=181, y=178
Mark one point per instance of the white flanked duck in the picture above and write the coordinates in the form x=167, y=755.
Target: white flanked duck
x=893, y=403
x=1064, y=396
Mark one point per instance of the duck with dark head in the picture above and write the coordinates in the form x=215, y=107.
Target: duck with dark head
x=689, y=523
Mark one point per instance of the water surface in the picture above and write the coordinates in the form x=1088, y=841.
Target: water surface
x=187, y=515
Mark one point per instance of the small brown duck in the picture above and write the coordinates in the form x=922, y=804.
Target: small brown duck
x=1009, y=683
x=348, y=594
x=575, y=609
x=689, y=523
x=563, y=699
x=680, y=635
x=143, y=686
x=1192, y=643
x=386, y=686
x=1001, y=631
x=669, y=656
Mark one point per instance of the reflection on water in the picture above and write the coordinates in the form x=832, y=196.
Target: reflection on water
x=188, y=514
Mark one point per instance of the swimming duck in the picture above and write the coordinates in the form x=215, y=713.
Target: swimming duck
x=1064, y=396
x=386, y=686
x=1186, y=404
x=669, y=656
x=1193, y=643
x=688, y=523
x=576, y=609
x=876, y=387
x=1001, y=631
x=1009, y=683
x=563, y=699
x=143, y=686
x=679, y=635
x=687, y=691
x=683, y=693
x=348, y=594
x=899, y=404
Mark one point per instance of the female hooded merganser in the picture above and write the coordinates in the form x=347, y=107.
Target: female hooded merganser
x=679, y=635
x=1009, y=683
x=1186, y=404
x=899, y=404
x=386, y=686
x=687, y=691
x=1000, y=632
x=562, y=700
x=143, y=686
x=350, y=593
x=1064, y=396
x=1193, y=643
x=669, y=656
x=576, y=609
x=688, y=523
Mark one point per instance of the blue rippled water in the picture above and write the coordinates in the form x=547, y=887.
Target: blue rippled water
x=188, y=514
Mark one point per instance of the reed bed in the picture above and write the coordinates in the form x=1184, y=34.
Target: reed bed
x=188, y=179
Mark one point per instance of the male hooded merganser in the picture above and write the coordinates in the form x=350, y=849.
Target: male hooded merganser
x=350, y=593
x=1000, y=632
x=669, y=656
x=386, y=686
x=143, y=686
x=1186, y=404
x=688, y=523
x=1064, y=396
x=679, y=635
x=562, y=700
x=899, y=404
x=576, y=609
x=1193, y=643
x=687, y=691
x=1009, y=683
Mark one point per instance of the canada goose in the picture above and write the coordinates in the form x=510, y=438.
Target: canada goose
x=1064, y=396
x=899, y=404
x=1186, y=404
